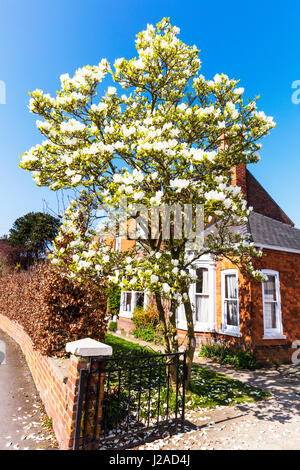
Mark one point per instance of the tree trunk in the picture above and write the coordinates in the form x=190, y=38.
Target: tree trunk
x=168, y=324
x=163, y=323
x=191, y=341
x=169, y=328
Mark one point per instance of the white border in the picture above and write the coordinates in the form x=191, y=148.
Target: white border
x=229, y=329
x=273, y=333
x=209, y=264
x=278, y=248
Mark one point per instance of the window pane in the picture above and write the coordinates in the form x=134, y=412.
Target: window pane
x=231, y=286
x=139, y=299
x=269, y=288
x=202, y=305
x=270, y=315
x=231, y=312
x=127, y=301
x=202, y=281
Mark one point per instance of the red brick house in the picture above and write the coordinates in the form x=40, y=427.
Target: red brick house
x=229, y=307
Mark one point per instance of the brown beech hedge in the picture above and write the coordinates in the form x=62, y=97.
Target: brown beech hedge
x=52, y=308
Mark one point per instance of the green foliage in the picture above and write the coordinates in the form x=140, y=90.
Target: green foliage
x=238, y=358
x=34, y=233
x=113, y=326
x=47, y=423
x=113, y=299
x=115, y=407
x=148, y=334
x=146, y=323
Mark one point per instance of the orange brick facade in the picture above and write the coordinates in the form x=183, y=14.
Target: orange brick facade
x=58, y=395
x=287, y=264
x=251, y=310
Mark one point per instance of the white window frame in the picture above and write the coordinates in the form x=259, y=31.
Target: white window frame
x=229, y=329
x=211, y=324
x=128, y=313
x=203, y=294
x=118, y=243
x=277, y=332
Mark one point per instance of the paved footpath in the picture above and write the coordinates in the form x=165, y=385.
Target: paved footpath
x=268, y=424
x=21, y=412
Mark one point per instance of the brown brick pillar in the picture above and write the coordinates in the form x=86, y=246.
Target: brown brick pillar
x=77, y=363
x=81, y=375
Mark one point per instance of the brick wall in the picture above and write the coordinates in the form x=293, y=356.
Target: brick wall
x=251, y=309
x=288, y=266
x=257, y=196
x=262, y=202
x=125, y=324
x=58, y=395
x=239, y=178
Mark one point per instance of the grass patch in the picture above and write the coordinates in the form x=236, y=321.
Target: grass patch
x=113, y=326
x=123, y=347
x=207, y=388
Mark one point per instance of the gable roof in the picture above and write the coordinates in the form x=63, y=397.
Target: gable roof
x=269, y=232
x=266, y=232
x=262, y=202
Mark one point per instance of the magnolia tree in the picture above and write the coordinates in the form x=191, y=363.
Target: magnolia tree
x=173, y=138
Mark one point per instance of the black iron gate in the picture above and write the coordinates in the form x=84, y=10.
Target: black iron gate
x=124, y=400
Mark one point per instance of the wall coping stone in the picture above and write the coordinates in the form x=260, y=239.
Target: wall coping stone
x=88, y=347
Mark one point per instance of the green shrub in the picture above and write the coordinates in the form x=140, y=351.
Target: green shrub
x=113, y=326
x=115, y=407
x=146, y=323
x=238, y=358
x=113, y=299
x=149, y=333
x=143, y=318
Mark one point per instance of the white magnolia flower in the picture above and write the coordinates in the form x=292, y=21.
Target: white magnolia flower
x=166, y=287
x=179, y=184
x=111, y=90
x=182, y=106
x=139, y=64
x=139, y=195
x=72, y=126
x=75, y=179
x=238, y=91
x=119, y=61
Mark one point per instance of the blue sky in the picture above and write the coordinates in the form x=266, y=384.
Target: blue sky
x=257, y=42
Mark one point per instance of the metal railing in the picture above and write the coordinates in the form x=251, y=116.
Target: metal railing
x=122, y=400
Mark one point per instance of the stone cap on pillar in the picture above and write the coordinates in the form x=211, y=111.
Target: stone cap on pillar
x=88, y=347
